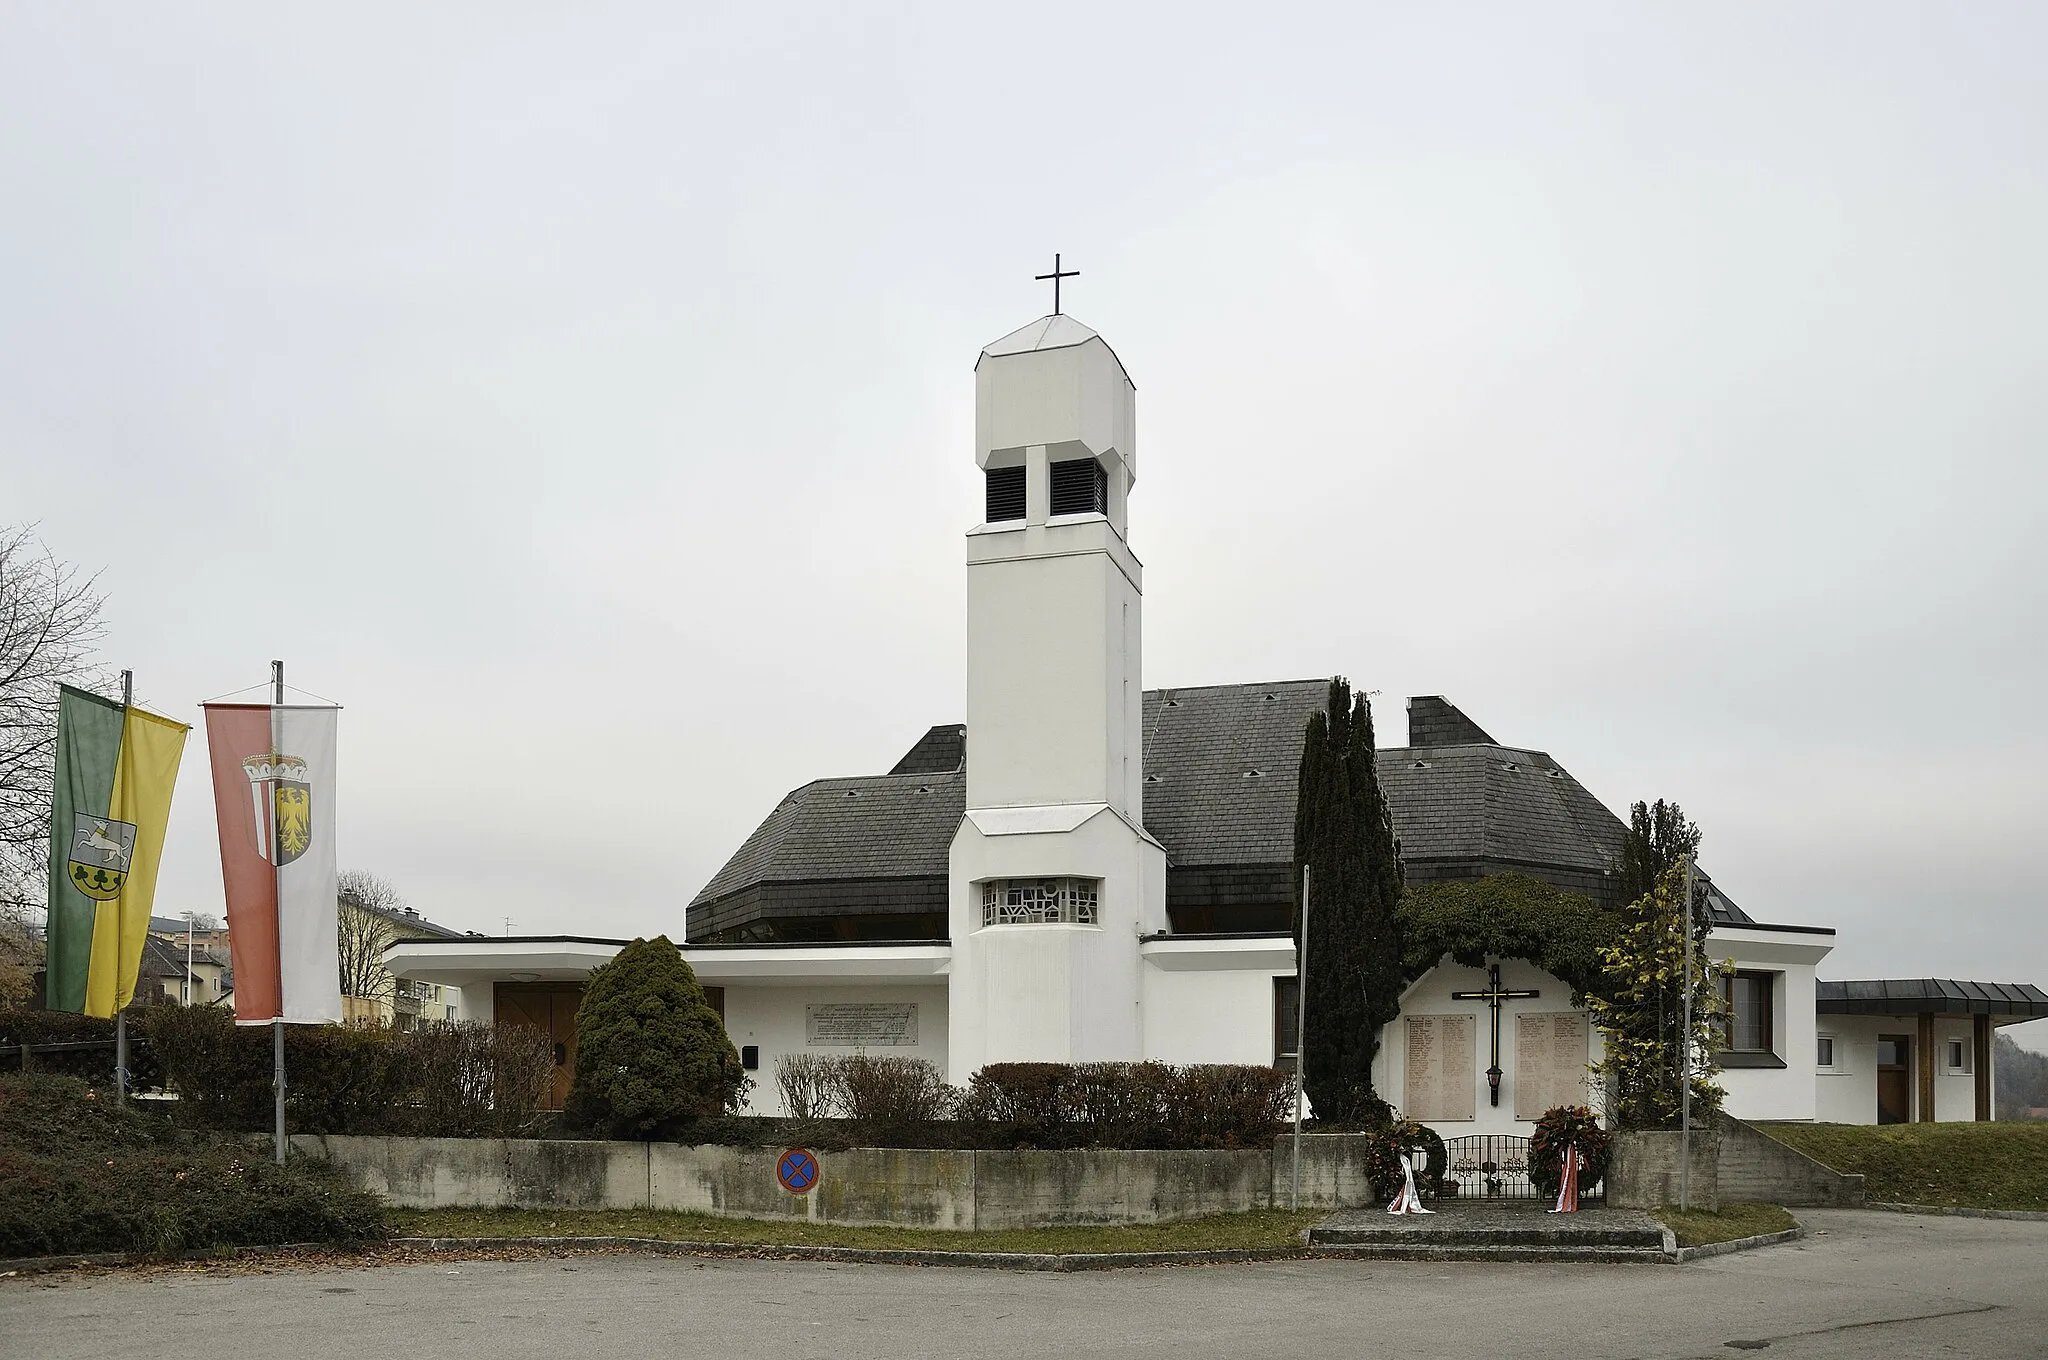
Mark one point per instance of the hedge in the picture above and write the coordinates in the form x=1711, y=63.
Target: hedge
x=80, y=1174
x=440, y=1081
x=27, y=1025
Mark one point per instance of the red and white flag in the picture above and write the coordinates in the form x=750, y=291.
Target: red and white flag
x=273, y=795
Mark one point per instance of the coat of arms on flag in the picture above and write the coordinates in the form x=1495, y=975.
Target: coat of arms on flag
x=282, y=792
x=100, y=850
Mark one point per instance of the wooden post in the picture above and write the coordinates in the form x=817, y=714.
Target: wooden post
x=1926, y=1064
x=1980, y=1065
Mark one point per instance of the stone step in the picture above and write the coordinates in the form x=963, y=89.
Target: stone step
x=1484, y=1235
x=1452, y=1251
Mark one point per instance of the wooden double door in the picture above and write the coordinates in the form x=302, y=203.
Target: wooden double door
x=549, y=1007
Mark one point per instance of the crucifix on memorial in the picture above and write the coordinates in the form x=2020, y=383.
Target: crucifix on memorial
x=1056, y=275
x=1493, y=996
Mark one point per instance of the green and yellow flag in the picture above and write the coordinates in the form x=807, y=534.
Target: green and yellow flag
x=116, y=766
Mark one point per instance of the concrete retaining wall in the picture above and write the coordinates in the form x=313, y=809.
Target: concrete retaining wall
x=915, y=1187
x=1731, y=1161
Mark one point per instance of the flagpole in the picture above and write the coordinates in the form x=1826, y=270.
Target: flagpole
x=1685, y=1056
x=1300, y=1024
x=120, y=1011
x=277, y=1027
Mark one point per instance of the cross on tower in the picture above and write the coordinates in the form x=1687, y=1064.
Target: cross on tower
x=1056, y=276
x=1493, y=996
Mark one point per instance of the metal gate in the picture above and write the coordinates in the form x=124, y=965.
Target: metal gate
x=1492, y=1166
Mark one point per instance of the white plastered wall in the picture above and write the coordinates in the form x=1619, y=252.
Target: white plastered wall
x=1199, y=1011
x=772, y=1017
x=1786, y=1092
x=1847, y=1092
x=1052, y=993
x=1431, y=995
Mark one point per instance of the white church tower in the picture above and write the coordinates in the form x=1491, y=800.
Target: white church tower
x=1053, y=878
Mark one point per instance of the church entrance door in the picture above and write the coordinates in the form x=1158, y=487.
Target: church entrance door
x=549, y=1007
x=1894, y=1078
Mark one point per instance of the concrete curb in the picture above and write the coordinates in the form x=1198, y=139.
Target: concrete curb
x=987, y=1260
x=1952, y=1211
x=1681, y=1255
x=37, y=1265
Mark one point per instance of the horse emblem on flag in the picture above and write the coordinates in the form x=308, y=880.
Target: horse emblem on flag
x=100, y=851
x=283, y=799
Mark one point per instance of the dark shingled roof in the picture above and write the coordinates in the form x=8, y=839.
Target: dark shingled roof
x=1911, y=996
x=867, y=827
x=1220, y=773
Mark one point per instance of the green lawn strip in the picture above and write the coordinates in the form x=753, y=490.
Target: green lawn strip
x=1260, y=1228
x=1698, y=1228
x=1975, y=1166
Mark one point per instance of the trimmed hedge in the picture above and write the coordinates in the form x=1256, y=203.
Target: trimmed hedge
x=28, y=1025
x=1126, y=1105
x=80, y=1174
x=441, y=1081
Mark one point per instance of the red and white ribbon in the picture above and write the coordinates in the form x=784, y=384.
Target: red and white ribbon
x=1408, y=1201
x=1568, y=1182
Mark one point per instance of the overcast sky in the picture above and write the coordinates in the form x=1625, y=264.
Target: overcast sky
x=582, y=396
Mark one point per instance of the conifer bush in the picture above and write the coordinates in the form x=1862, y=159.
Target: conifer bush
x=652, y=1056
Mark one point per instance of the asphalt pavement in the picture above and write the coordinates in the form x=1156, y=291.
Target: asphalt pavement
x=1864, y=1284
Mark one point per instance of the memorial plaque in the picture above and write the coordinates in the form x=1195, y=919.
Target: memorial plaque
x=1439, y=1082
x=1550, y=1061
x=862, y=1024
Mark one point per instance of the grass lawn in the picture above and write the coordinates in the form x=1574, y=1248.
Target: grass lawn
x=1698, y=1227
x=1977, y=1166
x=1258, y=1228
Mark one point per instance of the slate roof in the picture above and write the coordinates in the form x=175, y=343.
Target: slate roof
x=1910, y=996
x=1220, y=775
x=868, y=827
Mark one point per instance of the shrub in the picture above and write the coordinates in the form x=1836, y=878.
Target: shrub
x=652, y=1057
x=449, y=1081
x=1055, y=1105
x=892, y=1095
x=809, y=1083
x=1560, y=1127
x=79, y=1174
x=30, y=1025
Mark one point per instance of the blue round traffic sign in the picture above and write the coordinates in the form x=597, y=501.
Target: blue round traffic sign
x=798, y=1170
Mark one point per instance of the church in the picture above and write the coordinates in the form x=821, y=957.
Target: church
x=1087, y=870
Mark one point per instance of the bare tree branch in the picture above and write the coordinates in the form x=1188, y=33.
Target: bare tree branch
x=49, y=627
x=363, y=933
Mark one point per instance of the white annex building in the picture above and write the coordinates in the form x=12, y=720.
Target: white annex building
x=1090, y=871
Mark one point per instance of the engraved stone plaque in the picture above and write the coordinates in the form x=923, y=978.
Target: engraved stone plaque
x=1440, y=1064
x=862, y=1024
x=1550, y=1061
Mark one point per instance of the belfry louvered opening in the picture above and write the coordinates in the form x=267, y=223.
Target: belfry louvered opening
x=1005, y=494
x=1080, y=487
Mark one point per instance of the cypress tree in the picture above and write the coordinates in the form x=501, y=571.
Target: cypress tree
x=1344, y=834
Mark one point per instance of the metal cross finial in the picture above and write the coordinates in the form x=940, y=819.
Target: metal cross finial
x=1056, y=275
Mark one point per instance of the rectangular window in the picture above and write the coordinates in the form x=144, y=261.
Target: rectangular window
x=1080, y=487
x=1041, y=901
x=1286, y=1010
x=1005, y=494
x=1825, y=1050
x=1749, y=1012
x=1958, y=1052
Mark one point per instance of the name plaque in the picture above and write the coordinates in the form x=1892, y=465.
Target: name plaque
x=1550, y=1062
x=1440, y=1081
x=861, y=1024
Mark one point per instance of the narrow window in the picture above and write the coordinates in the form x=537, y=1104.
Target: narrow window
x=1286, y=1010
x=1749, y=1013
x=1958, y=1056
x=1005, y=494
x=1080, y=487
x=1825, y=1050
